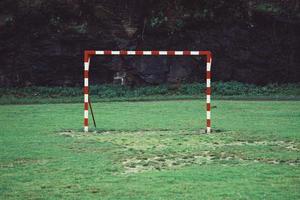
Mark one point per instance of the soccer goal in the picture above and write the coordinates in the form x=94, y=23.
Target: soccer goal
x=89, y=53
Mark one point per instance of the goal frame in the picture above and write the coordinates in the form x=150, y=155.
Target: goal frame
x=90, y=53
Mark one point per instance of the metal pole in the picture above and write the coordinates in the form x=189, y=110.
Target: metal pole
x=90, y=104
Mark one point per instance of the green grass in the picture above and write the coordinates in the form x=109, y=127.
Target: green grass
x=108, y=93
x=151, y=150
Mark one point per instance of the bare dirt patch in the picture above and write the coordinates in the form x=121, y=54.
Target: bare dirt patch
x=164, y=162
x=148, y=150
x=68, y=133
x=167, y=162
x=284, y=144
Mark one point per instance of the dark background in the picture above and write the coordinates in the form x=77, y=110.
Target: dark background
x=42, y=41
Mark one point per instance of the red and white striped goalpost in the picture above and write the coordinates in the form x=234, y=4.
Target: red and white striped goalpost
x=89, y=53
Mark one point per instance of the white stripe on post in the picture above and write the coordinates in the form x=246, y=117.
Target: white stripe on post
x=86, y=98
x=207, y=98
x=207, y=114
x=99, y=52
x=178, y=53
x=163, y=53
x=130, y=52
x=195, y=53
x=147, y=53
x=208, y=129
x=86, y=82
x=86, y=114
x=86, y=66
x=86, y=129
x=115, y=52
x=208, y=66
x=207, y=82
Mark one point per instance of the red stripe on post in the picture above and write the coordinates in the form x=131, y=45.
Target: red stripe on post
x=86, y=106
x=208, y=123
x=208, y=107
x=107, y=52
x=208, y=91
x=88, y=54
x=86, y=121
x=208, y=55
x=155, y=53
x=122, y=52
x=139, y=53
x=204, y=53
x=186, y=53
x=85, y=89
x=86, y=74
x=208, y=75
x=171, y=53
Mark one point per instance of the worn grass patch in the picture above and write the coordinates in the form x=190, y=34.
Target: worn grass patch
x=141, y=151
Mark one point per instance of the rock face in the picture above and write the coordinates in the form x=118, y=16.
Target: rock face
x=42, y=43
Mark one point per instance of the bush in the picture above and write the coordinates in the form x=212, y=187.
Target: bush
x=219, y=89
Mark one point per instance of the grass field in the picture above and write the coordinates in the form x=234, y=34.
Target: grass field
x=151, y=150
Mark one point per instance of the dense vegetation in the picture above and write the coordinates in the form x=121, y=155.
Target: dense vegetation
x=42, y=42
x=232, y=90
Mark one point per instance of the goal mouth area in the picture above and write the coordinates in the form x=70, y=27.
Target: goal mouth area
x=89, y=53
